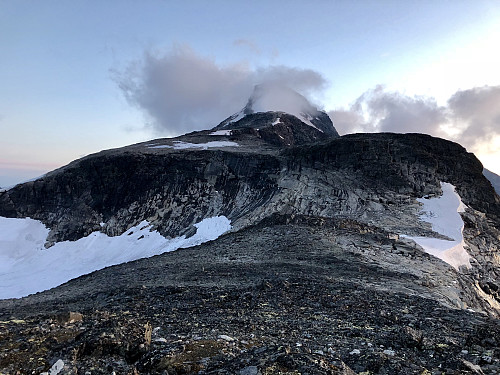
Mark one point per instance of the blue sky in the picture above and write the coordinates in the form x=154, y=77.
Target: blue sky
x=63, y=65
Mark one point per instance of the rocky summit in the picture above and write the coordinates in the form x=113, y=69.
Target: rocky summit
x=339, y=258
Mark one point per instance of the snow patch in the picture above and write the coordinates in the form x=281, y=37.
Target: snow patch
x=26, y=267
x=443, y=213
x=276, y=122
x=222, y=132
x=180, y=145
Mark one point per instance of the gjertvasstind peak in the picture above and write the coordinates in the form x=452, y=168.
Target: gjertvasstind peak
x=266, y=245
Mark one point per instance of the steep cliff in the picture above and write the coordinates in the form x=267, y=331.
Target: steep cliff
x=357, y=176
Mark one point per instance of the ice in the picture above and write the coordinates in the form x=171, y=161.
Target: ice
x=443, y=213
x=26, y=267
x=179, y=145
x=221, y=132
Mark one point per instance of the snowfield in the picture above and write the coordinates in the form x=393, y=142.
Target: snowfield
x=179, y=145
x=26, y=267
x=443, y=213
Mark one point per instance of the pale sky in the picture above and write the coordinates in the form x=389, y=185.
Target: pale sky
x=78, y=77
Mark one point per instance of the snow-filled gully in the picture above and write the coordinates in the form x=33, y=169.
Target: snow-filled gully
x=443, y=213
x=26, y=267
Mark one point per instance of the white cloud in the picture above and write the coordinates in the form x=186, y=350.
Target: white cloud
x=470, y=117
x=181, y=91
x=476, y=113
x=378, y=110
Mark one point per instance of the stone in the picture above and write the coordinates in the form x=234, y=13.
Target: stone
x=226, y=338
x=249, y=370
x=69, y=317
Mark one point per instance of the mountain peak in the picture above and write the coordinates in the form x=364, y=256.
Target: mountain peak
x=272, y=97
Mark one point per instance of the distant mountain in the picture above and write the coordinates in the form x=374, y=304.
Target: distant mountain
x=276, y=100
x=494, y=179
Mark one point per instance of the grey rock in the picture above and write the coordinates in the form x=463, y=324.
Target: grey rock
x=249, y=370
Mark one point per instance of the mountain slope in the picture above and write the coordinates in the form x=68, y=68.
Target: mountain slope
x=303, y=294
x=321, y=265
x=371, y=179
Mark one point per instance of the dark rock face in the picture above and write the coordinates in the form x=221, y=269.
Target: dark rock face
x=174, y=189
x=407, y=163
x=282, y=129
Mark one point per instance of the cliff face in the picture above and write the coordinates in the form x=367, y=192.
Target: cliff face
x=371, y=179
x=172, y=191
x=357, y=176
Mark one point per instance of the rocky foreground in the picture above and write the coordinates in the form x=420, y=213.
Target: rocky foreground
x=291, y=295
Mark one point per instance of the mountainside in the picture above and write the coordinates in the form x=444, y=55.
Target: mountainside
x=366, y=253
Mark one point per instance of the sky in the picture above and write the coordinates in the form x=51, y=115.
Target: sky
x=81, y=76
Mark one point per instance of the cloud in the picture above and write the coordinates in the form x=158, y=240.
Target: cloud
x=378, y=110
x=470, y=117
x=476, y=112
x=305, y=81
x=182, y=91
x=348, y=121
x=249, y=44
